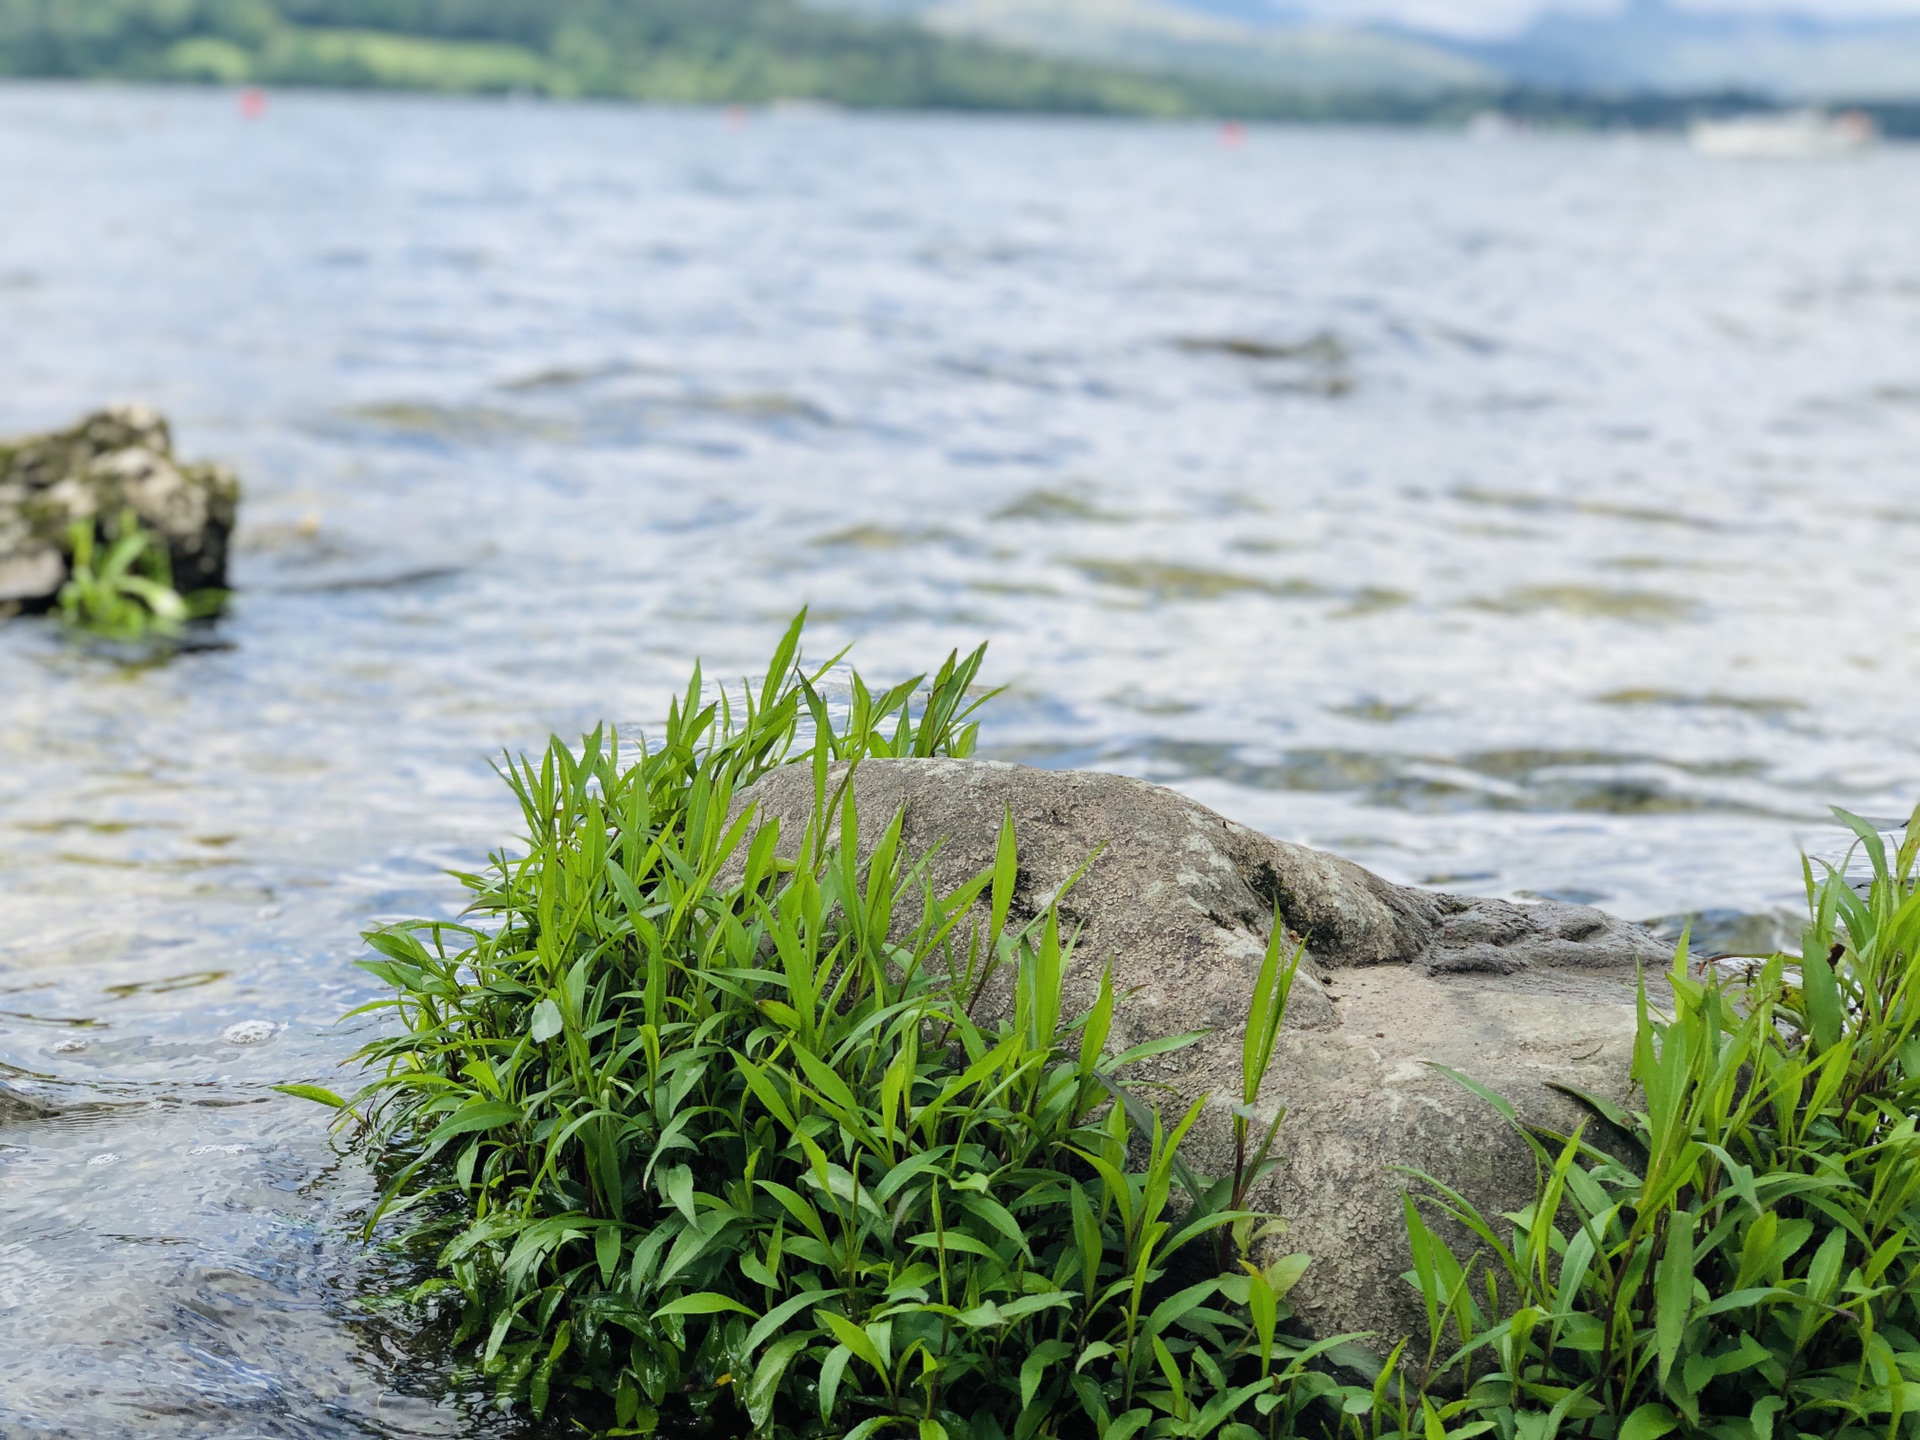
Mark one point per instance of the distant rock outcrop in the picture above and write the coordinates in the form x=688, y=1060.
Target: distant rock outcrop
x=1399, y=982
x=116, y=460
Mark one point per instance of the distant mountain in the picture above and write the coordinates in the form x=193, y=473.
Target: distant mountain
x=1653, y=46
x=661, y=50
x=1646, y=46
x=1239, y=39
x=1644, y=65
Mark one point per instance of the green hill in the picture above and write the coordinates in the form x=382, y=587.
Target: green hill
x=1192, y=38
x=665, y=50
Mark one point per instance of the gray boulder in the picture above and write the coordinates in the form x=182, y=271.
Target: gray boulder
x=1397, y=983
x=116, y=460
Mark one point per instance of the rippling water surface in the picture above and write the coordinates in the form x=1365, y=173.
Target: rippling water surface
x=1532, y=517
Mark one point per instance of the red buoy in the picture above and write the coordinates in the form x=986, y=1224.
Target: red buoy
x=253, y=104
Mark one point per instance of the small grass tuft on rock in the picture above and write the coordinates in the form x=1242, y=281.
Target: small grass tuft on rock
x=125, y=592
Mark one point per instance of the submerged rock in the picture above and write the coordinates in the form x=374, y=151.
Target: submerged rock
x=16, y=1108
x=1397, y=983
x=116, y=460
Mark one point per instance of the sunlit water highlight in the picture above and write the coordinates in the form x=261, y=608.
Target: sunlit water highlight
x=1534, y=517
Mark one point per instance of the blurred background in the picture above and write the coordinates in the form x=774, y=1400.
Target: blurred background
x=1472, y=436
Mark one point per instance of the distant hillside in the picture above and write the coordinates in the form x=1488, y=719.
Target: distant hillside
x=1200, y=37
x=673, y=50
x=1649, y=66
x=1643, y=47
x=1650, y=45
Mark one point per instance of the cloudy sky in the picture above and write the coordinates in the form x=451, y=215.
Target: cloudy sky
x=1503, y=16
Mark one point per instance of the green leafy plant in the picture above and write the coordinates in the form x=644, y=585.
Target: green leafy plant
x=705, y=1135
x=1741, y=1257
x=127, y=593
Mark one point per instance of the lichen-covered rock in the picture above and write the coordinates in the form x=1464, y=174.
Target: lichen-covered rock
x=116, y=460
x=1398, y=982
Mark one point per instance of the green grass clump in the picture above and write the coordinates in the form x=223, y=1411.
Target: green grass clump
x=710, y=1140
x=699, y=1132
x=126, y=593
x=1740, y=1258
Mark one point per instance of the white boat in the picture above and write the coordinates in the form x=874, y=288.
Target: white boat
x=1787, y=135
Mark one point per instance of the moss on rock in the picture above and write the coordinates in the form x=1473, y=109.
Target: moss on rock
x=112, y=461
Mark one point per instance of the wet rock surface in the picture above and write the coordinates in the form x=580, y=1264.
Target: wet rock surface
x=16, y=1108
x=1397, y=983
x=115, y=460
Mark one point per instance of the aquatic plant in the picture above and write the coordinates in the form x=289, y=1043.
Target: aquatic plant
x=127, y=593
x=1741, y=1257
x=706, y=1134
x=701, y=1133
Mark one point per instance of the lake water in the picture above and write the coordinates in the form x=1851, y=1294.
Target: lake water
x=1532, y=517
